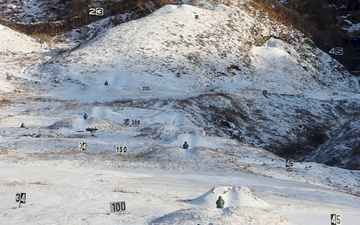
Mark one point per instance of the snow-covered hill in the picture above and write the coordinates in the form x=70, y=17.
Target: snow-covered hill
x=223, y=78
x=222, y=62
x=217, y=58
x=17, y=51
x=215, y=47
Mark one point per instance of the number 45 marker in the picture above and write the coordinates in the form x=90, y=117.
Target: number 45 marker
x=335, y=219
x=337, y=51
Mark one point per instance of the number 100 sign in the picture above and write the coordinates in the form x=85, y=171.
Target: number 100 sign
x=117, y=207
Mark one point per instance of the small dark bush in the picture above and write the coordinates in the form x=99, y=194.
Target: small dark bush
x=355, y=151
x=78, y=5
x=318, y=138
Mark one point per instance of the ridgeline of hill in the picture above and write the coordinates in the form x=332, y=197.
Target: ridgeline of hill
x=331, y=24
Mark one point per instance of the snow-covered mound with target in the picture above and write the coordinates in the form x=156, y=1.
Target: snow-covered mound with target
x=231, y=215
x=233, y=196
x=80, y=124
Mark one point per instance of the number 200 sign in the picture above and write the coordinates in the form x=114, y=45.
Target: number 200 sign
x=335, y=219
x=117, y=207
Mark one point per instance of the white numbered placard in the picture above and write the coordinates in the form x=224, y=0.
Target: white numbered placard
x=289, y=164
x=82, y=146
x=20, y=197
x=117, y=207
x=121, y=149
x=335, y=219
x=146, y=88
x=337, y=51
x=96, y=11
x=133, y=122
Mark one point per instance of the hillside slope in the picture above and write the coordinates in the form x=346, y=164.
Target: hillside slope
x=17, y=52
x=211, y=64
x=226, y=57
x=151, y=84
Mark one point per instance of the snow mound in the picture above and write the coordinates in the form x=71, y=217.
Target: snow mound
x=277, y=66
x=17, y=51
x=5, y=86
x=166, y=9
x=231, y=215
x=233, y=196
x=81, y=124
x=24, y=44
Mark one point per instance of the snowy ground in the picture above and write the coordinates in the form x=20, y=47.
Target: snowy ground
x=160, y=182
x=77, y=188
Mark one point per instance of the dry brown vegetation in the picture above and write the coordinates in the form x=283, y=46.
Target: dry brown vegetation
x=79, y=4
x=164, y=2
x=317, y=19
x=77, y=15
x=4, y=103
x=123, y=190
x=44, y=37
x=310, y=17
